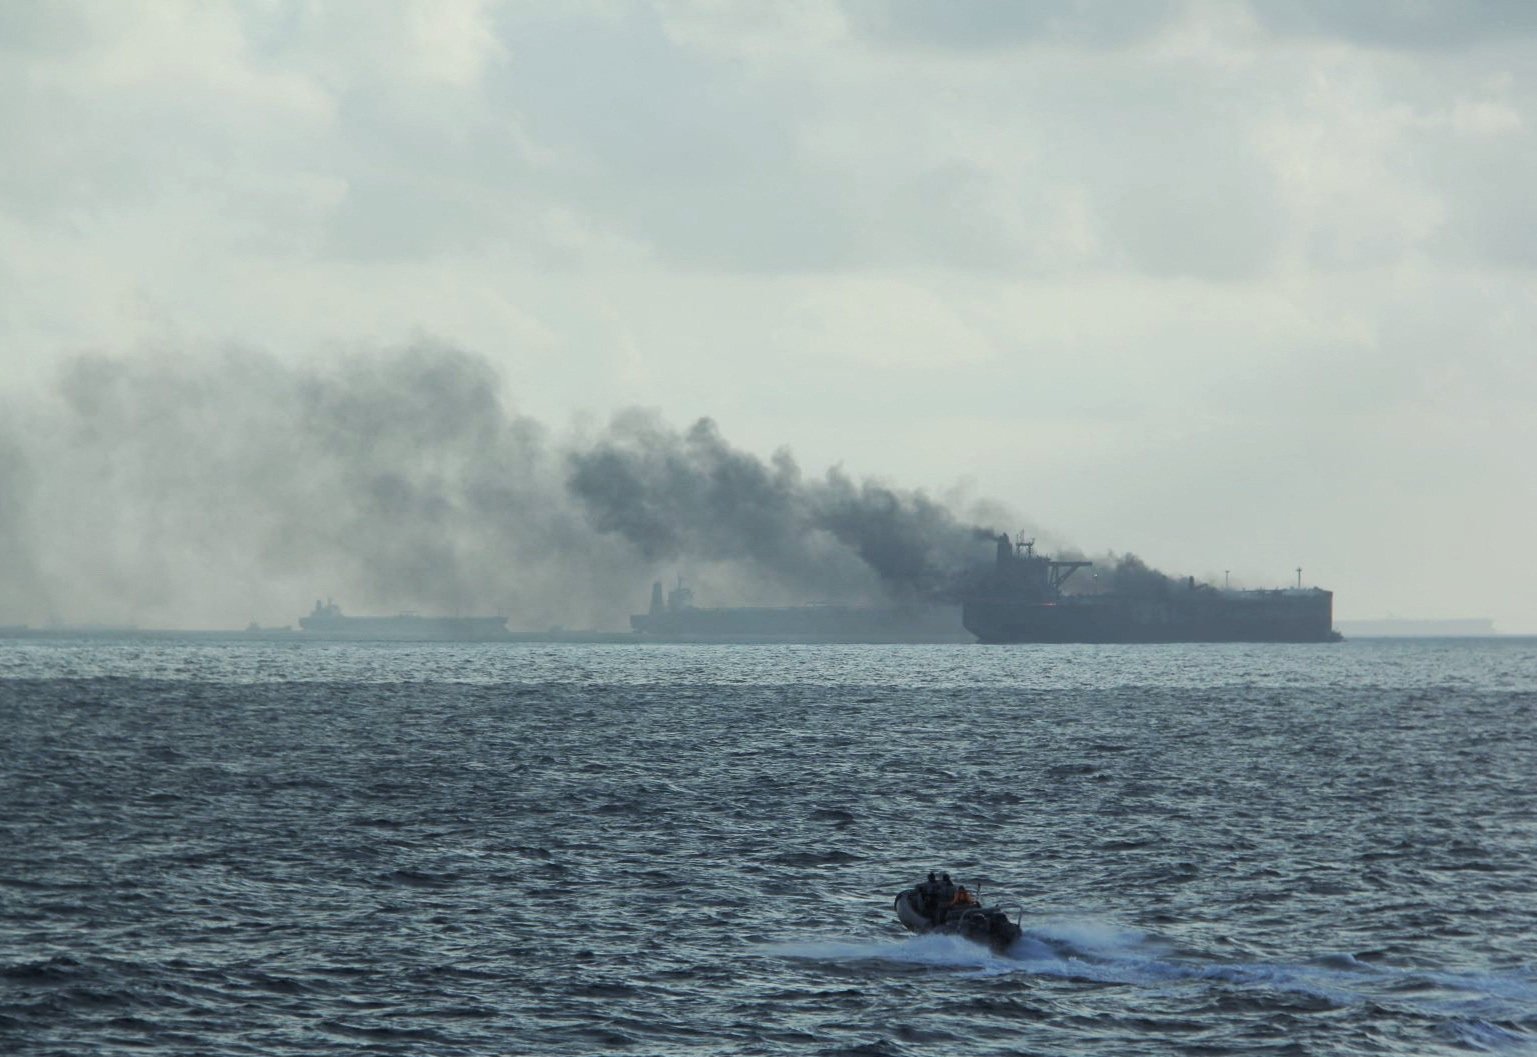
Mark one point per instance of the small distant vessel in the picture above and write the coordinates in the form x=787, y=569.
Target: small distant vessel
x=942, y=906
x=326, y=621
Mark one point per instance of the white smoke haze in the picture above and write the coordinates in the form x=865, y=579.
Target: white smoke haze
x=188, y=490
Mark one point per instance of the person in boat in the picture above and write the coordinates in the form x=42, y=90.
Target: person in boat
x=936, y=896
x=940, y=904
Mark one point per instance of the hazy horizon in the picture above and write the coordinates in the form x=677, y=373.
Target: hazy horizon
x=496, y=307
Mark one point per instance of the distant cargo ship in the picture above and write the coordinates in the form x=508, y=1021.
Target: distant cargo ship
x=1022, y=600
x=677, y=619
x=326, y=621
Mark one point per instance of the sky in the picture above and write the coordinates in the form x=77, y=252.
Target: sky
x=1239, y=287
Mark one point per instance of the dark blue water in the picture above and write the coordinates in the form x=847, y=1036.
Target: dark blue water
x=300, y=849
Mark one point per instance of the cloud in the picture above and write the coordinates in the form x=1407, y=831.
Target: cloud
x=924, y=239
x=633, y=138
x=989, y=25
x=1424, y=26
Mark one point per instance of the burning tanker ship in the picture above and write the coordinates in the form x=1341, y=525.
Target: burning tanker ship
x=1022, y=599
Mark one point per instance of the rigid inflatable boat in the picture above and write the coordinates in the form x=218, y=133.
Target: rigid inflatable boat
x=940, y=905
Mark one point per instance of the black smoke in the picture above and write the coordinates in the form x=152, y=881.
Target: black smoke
x=690, y=495
x=1125, y=575
x=1134, y=578
x=208, y=489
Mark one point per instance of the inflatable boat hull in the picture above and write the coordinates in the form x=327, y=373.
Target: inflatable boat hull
x=989, y=926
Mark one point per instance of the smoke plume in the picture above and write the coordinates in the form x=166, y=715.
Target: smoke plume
x=691, y=495
x=207, y=490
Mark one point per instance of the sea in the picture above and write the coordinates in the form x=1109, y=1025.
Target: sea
x=291, y=848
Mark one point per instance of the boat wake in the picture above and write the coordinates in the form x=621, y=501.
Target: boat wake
x=1484, y=1011
x=1079, y=950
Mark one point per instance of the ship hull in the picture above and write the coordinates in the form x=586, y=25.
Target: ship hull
x=1247, y=616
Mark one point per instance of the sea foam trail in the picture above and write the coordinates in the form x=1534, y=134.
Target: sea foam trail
x=949, y=952
x=1499, y=1008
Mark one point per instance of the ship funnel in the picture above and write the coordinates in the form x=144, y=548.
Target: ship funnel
x=656, y=598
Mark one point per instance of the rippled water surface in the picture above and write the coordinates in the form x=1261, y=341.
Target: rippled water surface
x=246, y=848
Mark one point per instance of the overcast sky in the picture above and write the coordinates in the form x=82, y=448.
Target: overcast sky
x=1234, y=286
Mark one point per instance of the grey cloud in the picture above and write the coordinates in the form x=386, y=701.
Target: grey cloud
x=1172, y=181
x=674, y=147
x=685, y=154
x=988, y=25
x=1426, y=25
x=1491, y=217
x=1216, y=221
x=42, y=29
